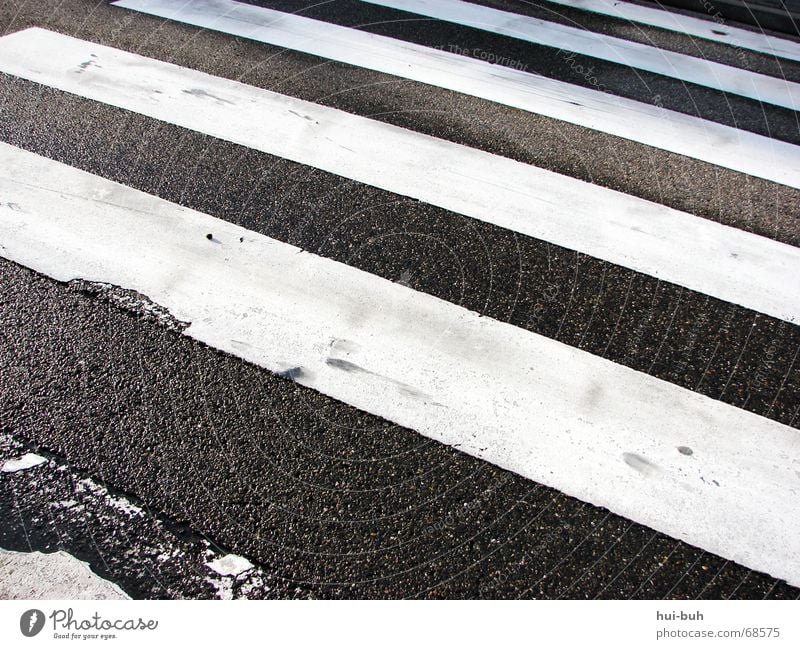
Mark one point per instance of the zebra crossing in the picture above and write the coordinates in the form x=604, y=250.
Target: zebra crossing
x=647, y=124
x=779, y=92
x=702, y=469
x=673, y=246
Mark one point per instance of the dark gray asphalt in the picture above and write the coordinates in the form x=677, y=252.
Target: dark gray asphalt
x=326, y=499
x=55, y=507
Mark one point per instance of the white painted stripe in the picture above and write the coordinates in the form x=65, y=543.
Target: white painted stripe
x=702, y=255
x=27, y=461
x=771, y=90
x=651, y=125
x=52, y=576
x=593, y=429
x=708, y=29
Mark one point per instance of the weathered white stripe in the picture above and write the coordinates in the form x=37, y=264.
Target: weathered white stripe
x=593, y=429
x=645, y=123
x=702, y=255
x=51, y=576
x=771, y=90
x=708, y=29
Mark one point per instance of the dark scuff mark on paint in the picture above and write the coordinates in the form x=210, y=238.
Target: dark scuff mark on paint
x=641, y=464
x=340, y=145
x=199, y=92
x=305, y=117
x=293, y=373
x=593, y=395
x=685, y=450
x=347, y=366
x=404, y=388
x=82, y=67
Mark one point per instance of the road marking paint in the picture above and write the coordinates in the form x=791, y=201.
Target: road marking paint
x=648, y=124
x=708, y=29
x=718, y=76
x=27, y=461
x=697, y=253
x=596, y=430
x=53, y=576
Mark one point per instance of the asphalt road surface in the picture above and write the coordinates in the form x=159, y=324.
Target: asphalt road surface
x=163, y=443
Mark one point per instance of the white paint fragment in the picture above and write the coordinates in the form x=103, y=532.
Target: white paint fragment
x=223, y=587
x=57, y=576
x=65, y=504
x=27, y=461
x=124, y=506
x=674, y=246
x=229, y=569
x=637, y=121
x=120, y=504
x=255, y=582
x=230, y=565
x=595, y=430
